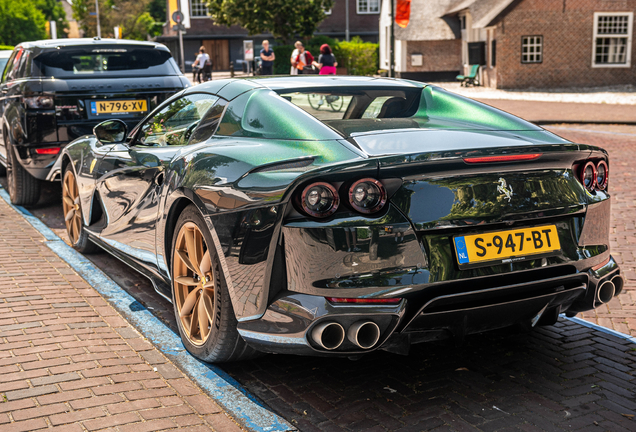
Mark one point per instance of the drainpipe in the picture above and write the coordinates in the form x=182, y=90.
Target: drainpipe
x=392, y=48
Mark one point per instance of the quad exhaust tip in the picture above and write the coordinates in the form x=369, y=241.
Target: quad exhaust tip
x=364, y=334
x=328, y=335
x=618, y=282
x=606, y=292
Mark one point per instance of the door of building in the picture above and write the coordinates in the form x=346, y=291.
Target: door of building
x=219, y=52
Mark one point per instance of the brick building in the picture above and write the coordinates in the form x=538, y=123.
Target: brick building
x=225, y=44
x=517, y=43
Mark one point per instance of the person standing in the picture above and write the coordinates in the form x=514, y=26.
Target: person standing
x=199, y=63
x=300, y=59
x=326, y=61
x=268, y=57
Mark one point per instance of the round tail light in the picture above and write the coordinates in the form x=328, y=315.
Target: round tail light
x=602, y=172
x=367, y=195
x=319, y=200
x=588, y=176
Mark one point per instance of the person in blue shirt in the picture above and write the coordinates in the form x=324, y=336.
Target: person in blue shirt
x=268, y=57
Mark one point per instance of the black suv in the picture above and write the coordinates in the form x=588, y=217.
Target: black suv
x=54, y=91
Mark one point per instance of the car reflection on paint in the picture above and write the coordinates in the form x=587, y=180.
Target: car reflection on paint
x=277, y=227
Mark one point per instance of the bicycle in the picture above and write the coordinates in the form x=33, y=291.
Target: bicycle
x=316, y=101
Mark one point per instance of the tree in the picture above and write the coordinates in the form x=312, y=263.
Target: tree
x=54, y=11
x=131, y=15
x=282, y=18
x=21, y=21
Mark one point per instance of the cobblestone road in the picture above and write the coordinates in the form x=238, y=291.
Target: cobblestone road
x=565, y=377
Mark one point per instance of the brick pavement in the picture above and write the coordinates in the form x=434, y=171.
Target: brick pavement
x=620, y=142
x=561, y=378
x=69, y=362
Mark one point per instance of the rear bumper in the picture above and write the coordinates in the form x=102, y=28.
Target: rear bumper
x=437, y=311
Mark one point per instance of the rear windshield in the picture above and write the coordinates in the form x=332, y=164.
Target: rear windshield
x=353, y=111
x=107, y=61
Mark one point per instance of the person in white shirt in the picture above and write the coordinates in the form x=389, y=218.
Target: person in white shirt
x=200, y=63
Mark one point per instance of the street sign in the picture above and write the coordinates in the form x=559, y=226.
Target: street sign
x=177, y=17
x=178, y=27
x=248, y=50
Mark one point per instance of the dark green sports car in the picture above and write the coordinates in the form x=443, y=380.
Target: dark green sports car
x=323, y=215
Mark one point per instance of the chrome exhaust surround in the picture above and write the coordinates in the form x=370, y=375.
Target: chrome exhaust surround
x=364, y=334
x=618, y=282
x=328, y=335
x=605, y=292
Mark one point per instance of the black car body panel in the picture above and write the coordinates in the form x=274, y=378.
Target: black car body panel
x=68, y=114
x=285, y=270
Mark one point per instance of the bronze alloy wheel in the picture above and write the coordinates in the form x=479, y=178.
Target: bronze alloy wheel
x=193, y=281
x=72, y=207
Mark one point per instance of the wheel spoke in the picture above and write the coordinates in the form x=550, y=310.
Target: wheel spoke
x=186, y=280
x=193, y=251
x=206, y=263
x=194, y=321
x=184, y=258
x=78, y=226
x=208, y=302
x=71, y=232
x=68, y=201
x=69, y=215
x=189, y=303
x=203, y=318
x=77, y=200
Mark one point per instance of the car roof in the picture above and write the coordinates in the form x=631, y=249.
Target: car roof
x=79, y=42
x=232, y=87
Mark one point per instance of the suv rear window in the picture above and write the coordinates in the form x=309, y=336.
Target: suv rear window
x=112, y=61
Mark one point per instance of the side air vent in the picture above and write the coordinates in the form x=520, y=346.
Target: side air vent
x=287, y=165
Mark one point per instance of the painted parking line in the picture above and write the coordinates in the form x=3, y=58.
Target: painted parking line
x=602, y=329
x=244, y=407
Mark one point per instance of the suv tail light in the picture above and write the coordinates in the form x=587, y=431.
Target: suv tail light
x=39, y=102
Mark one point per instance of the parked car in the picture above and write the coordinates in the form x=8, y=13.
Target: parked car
x=278, y=225
x=54, y=91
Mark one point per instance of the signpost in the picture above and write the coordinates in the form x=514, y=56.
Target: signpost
x=177, y=16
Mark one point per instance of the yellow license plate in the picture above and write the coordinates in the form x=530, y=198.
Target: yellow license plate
x=118, y=106
x=506, y=246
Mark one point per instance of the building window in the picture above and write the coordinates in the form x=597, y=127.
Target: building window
x=198, y=8
x=531, y=49
x=612, y=39
x=368, y=6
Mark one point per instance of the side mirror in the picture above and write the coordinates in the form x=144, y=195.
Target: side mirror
x=111, y=132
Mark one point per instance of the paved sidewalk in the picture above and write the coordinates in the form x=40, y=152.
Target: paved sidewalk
x=68, y=361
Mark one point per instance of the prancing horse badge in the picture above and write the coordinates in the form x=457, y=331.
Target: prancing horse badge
x=504, y=189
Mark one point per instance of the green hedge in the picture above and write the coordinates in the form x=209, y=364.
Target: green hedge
x=360, y=58
x=6, y=47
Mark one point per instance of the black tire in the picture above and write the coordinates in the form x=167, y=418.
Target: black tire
x=24, y=189
x=83, y=243
x=224, y=343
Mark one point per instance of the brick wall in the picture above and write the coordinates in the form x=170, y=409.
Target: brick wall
x=567, y=27
x=437, y=56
